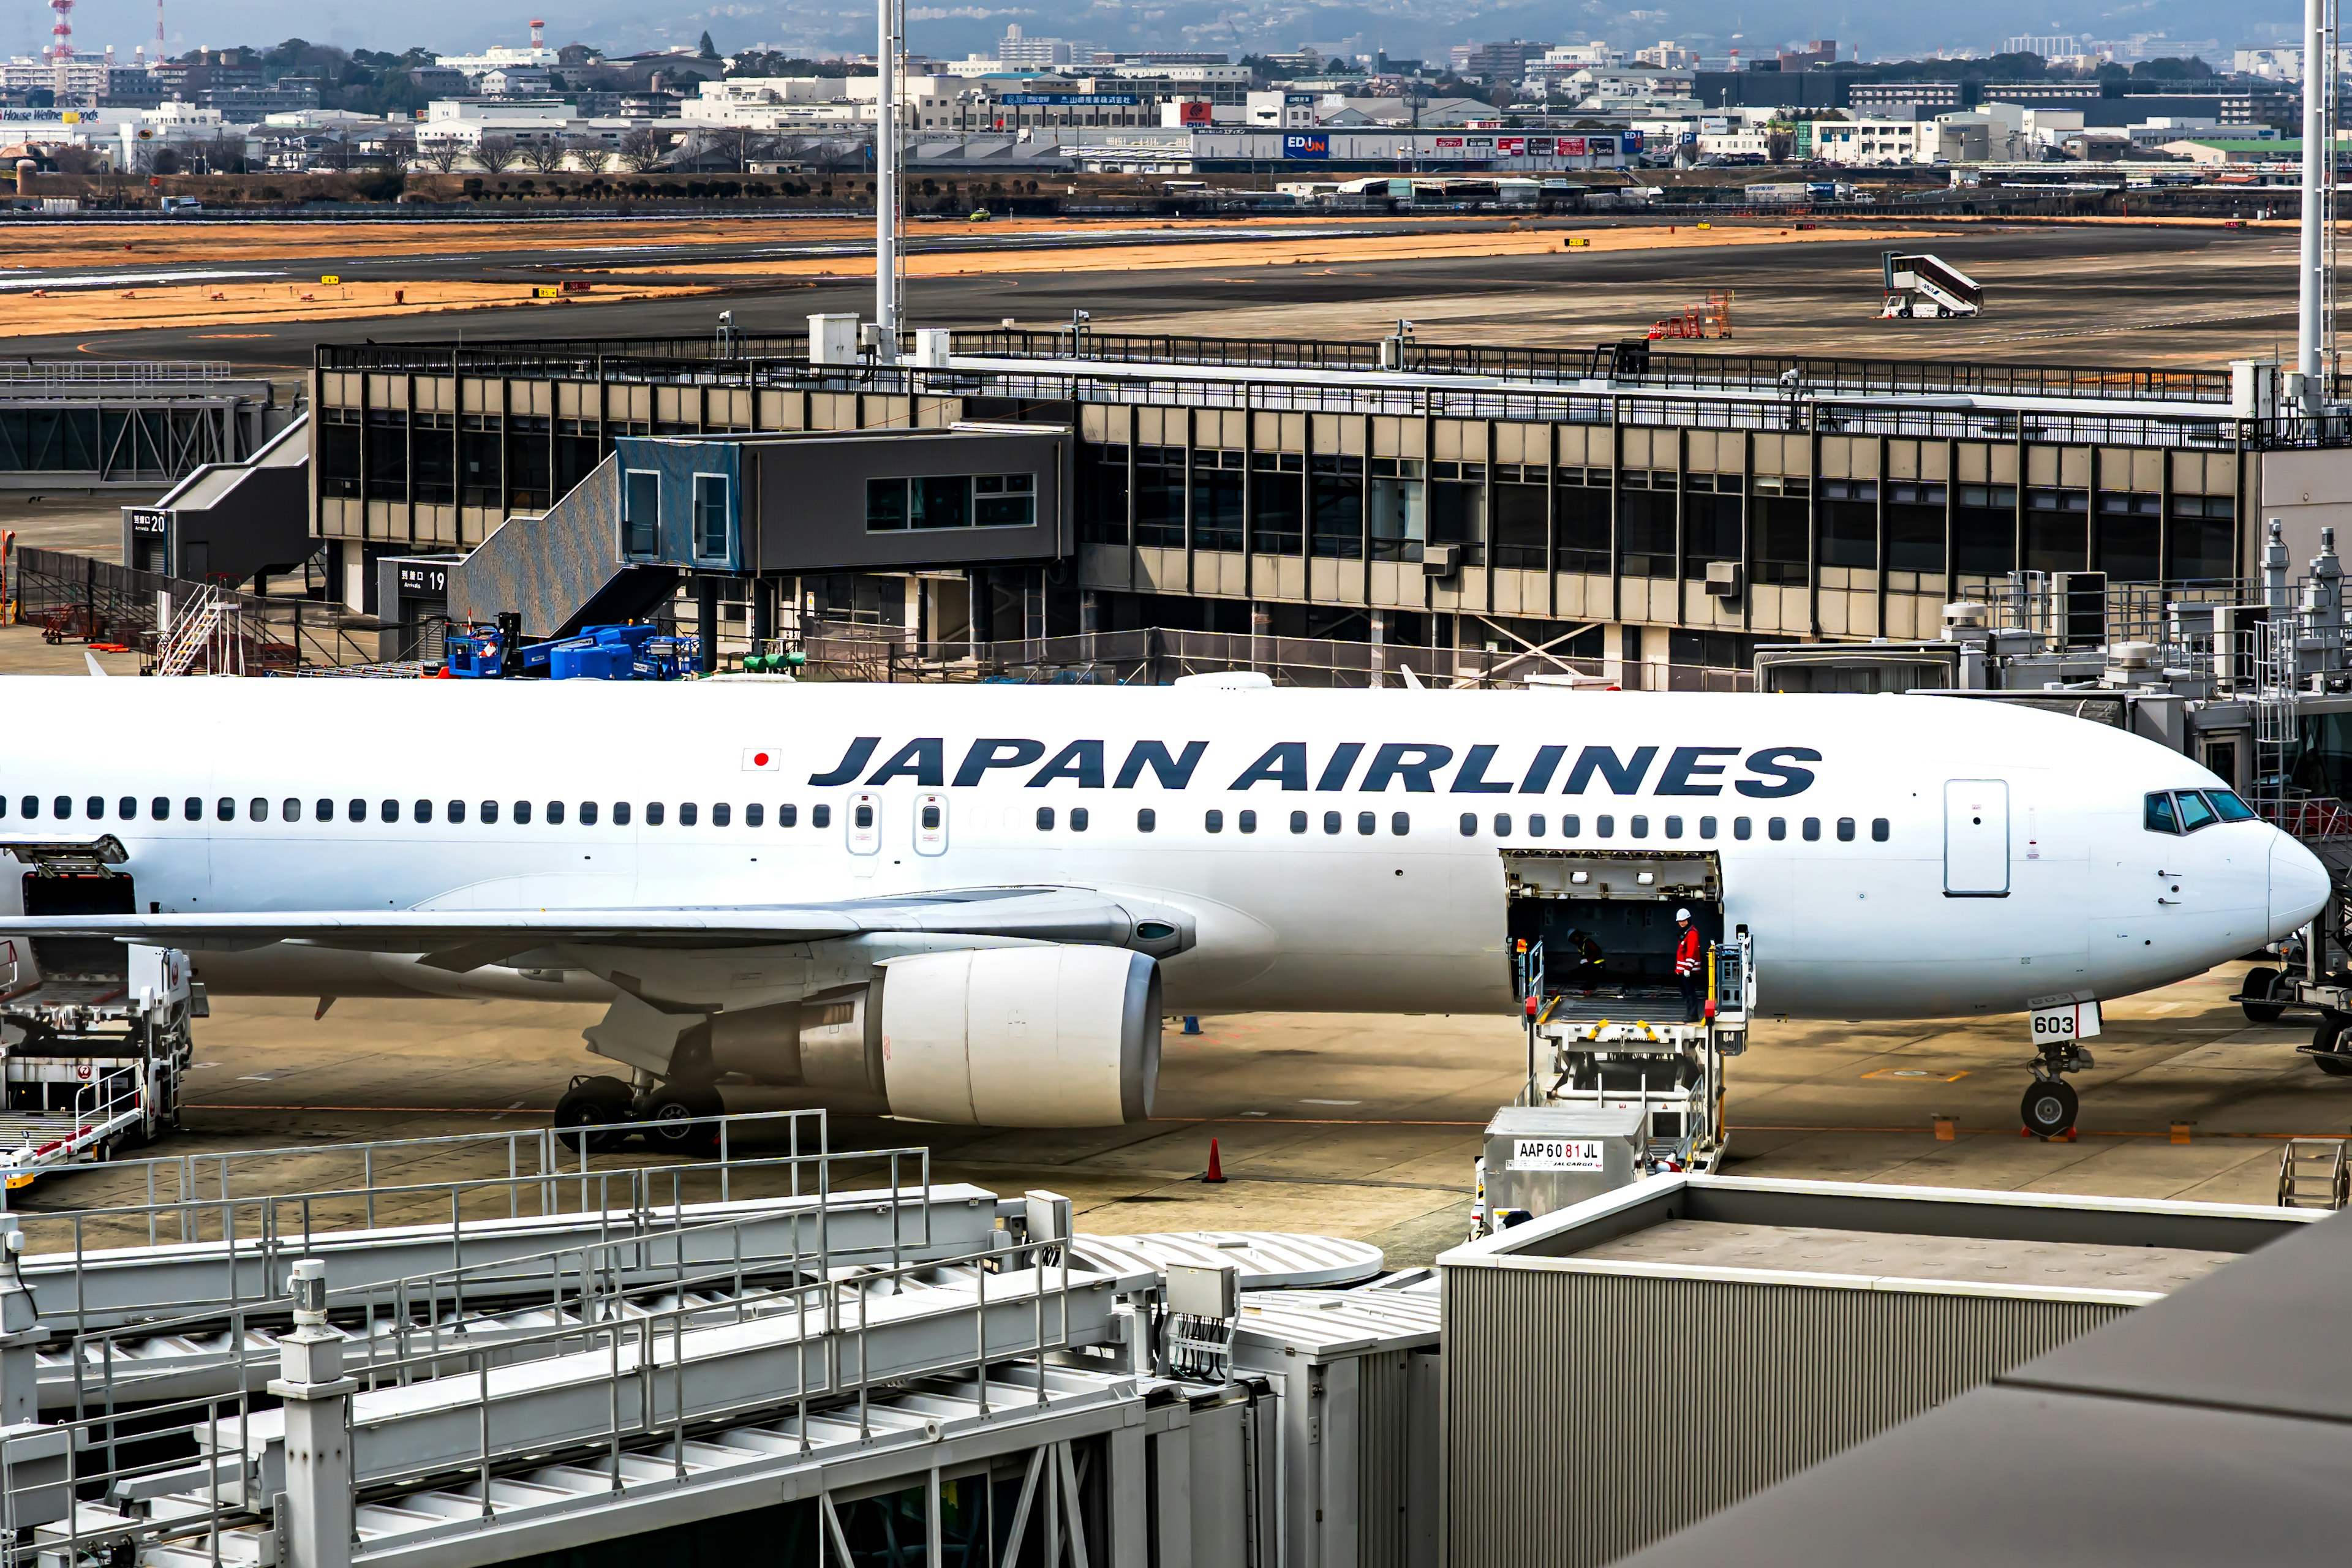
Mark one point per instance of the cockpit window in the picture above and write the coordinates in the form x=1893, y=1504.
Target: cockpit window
x=2194, y=813
x=2228, y=806
x=2161, y=818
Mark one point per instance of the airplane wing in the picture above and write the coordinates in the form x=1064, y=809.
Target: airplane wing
x=468, y=937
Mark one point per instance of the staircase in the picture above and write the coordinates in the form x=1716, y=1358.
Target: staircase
x=207, y=620
x=1929, y=286
x=2313, y=1175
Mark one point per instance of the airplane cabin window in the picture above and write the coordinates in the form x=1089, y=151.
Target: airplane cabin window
x=2194, y=813
x=62, y=806
x=1845, y=829
x=288, y=810
x=1812, y=829
x=587, y=813
x=1674, y=827
x=1079, y=819
x=389, y=811
x=1469, y=825
x=191, y=809
x=1776, y=828
x=1215, y=821
x=160, y=808
x=1604, y=827
x=31, y=805
x=654, y=813
x=422, y=811
x=1045, y=817
x=1536, y=825
x=1641, y=827
x=489, y=814
x=2228, y=806
x=687, y=813
x=455, y=811
x=1706, y=828
x=223, y=809
x=127, y=808
x=523, y=814
x=1247, y=821
x=1878, y=829
x=257, y=810
x=721, y=814
x=355, y=811
x=1367, y=823
x=1502, y=824
x=322, y=811
x=1330, y=822
x=819, y=816
x=1297, y=822
x=621, y=814
x=94, y=807
x=1147, y=820
x=754, y=814
x=1400, y=823
x=789, y=817
x=555, y=813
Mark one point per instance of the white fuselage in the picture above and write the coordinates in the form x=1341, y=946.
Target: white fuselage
x=2088, y=901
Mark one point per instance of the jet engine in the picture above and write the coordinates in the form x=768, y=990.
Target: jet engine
x=1022, y=1036
x=999, y=1037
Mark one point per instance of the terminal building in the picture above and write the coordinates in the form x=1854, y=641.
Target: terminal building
x=1645, y=515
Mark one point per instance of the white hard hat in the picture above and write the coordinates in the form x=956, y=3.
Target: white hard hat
x=1681, y=914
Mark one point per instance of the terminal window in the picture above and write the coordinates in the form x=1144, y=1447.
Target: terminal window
x=951, y=500
x=711, y=516
x=640, y=513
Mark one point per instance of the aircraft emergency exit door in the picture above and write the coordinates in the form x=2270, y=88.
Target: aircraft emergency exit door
x=1976, y=839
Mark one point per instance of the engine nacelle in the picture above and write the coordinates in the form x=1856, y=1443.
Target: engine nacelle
x=1022, y=1036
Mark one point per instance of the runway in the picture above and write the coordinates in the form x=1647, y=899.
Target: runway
x=2099, y=294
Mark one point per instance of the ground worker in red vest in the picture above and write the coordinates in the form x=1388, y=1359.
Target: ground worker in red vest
x=1686, y=958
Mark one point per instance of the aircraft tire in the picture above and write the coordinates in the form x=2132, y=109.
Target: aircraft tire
x=669, y=1122
x=591, y=1101
x=2260, y=982
x=2049, y=1107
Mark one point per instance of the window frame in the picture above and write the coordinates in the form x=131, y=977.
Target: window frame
x=725, y=554
x=627, y=520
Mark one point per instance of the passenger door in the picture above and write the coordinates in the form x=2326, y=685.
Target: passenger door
x=1976, y=839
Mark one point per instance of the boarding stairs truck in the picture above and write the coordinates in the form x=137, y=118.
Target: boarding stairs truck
x=1924, y=288
x=1592, y=937
x=95, y=1037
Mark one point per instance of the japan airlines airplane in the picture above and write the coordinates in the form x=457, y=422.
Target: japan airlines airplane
x=972, y=904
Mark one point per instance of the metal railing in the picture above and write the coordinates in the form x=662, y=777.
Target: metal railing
x=118, y=373
x=658, y=358
x=191, y=1199
x=1157, y=656
x=636, y=1343
x=79, y=599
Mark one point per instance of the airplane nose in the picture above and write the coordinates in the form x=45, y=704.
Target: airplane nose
x=2299, y=886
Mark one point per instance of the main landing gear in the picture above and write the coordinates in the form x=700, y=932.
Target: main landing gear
x=669, y=1114
x=2050, y=1103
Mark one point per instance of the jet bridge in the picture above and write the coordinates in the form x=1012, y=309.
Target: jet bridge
x=1594, y=935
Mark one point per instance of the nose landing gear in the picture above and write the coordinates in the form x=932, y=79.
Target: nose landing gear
x=2050, y=1103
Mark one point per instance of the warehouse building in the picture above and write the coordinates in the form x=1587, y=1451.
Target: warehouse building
x=1647, y=510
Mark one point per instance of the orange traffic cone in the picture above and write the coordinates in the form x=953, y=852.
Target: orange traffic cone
x=1216, y=1169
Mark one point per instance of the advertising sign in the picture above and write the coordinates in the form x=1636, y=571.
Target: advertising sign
x=1571, y=146
x=1195, y=115
x=1511, y=146
x=1303, y=145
